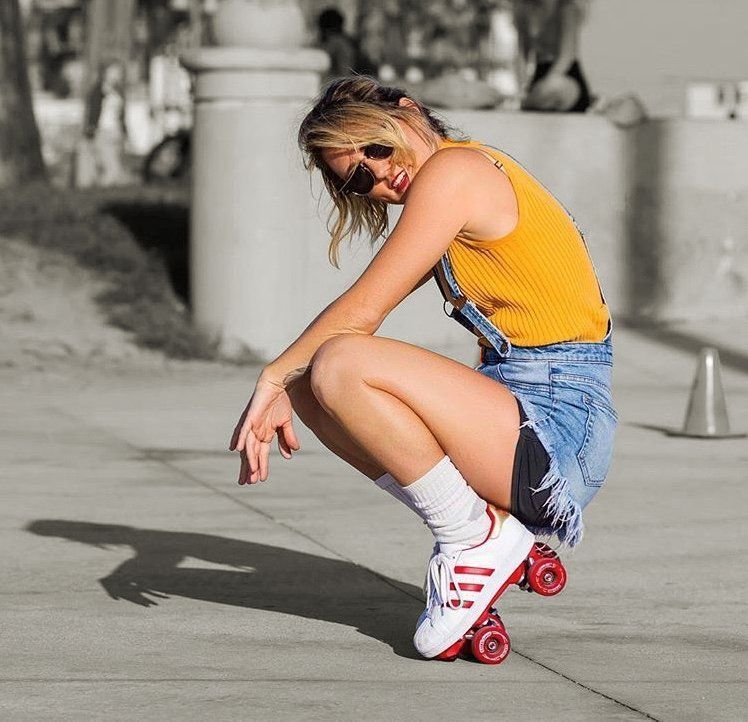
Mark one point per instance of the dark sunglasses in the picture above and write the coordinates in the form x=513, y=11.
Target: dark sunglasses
x=362, y=180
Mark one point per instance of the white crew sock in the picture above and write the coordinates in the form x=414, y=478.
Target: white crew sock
x=390, y=485
x=455, y=514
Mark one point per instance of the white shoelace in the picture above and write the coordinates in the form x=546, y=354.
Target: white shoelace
x=439, y=576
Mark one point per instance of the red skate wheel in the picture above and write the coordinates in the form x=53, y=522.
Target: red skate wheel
x=490, y=644
x=547, y=577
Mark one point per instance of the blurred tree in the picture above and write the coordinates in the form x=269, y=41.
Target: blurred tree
x=20, y=145
x=109, y=27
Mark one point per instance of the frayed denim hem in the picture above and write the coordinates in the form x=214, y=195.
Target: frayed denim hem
x=564, y=512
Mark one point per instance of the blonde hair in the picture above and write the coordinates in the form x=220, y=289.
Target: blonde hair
x=354, y=112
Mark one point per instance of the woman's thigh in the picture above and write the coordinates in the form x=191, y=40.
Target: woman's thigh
x=474, y=419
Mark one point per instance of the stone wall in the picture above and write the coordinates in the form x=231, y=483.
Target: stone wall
x=662, y=204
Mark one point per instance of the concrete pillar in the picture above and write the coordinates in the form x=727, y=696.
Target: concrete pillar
x=251, y=195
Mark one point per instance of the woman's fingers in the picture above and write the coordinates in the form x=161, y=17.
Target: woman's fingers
x=287, y=440
x=289, y=435
x=255, y=456
x=249, y=463
x=244, y=432
x=254, y=460
x=255, y=452
x=239, y=438
x=252, y=438
x=243, y=468
x=283, y=446
x=233, y=444
x=264, y=459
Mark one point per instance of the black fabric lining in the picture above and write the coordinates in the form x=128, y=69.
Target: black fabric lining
x=531, y=464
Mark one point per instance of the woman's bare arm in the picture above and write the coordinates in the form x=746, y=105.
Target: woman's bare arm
x=442, y=201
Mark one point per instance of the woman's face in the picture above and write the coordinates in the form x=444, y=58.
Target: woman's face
x=391, y=181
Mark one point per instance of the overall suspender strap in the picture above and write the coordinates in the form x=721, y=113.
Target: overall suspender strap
x=464, y=311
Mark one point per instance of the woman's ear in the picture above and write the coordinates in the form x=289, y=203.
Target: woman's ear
x=406, y=102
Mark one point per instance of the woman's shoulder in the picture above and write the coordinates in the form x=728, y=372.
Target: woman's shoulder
x=465, y=174
x=468, y=155
x=469, y=159
x=449, y=170
x=457, y=168
x=471, y=146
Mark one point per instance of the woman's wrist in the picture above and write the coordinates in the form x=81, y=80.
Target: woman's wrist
x=271, y=377
x=280, y=378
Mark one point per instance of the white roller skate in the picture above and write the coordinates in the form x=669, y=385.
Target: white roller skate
x=462, y=585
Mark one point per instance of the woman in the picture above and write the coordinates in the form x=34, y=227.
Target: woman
x=485, y=457
x=549, y=42
x=106, y=123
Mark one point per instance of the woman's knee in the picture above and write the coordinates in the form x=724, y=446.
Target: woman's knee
x=337, y=364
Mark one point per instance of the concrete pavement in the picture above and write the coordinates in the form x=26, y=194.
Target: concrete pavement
x=140, y=582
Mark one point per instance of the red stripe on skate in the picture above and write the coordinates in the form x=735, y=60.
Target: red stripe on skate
x=479, y=571
x=456, y=604
x=466, y=587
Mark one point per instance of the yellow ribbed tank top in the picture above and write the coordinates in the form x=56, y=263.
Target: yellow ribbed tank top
x=537, y=283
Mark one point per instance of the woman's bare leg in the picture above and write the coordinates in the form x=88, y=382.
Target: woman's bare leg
x=406, y=407
x=329, y=431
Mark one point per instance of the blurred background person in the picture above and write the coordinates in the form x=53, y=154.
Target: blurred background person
x=170, y=85
x=106, y=126
x=549, y=45
x=346, y=56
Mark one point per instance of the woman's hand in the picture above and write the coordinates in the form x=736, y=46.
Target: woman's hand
x=268, y=413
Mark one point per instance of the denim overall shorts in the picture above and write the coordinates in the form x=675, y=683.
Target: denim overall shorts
x=565, y=391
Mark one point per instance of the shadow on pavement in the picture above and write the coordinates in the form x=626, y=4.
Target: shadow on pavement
x=266, y=578
x=690, y=342
x=665, y=430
